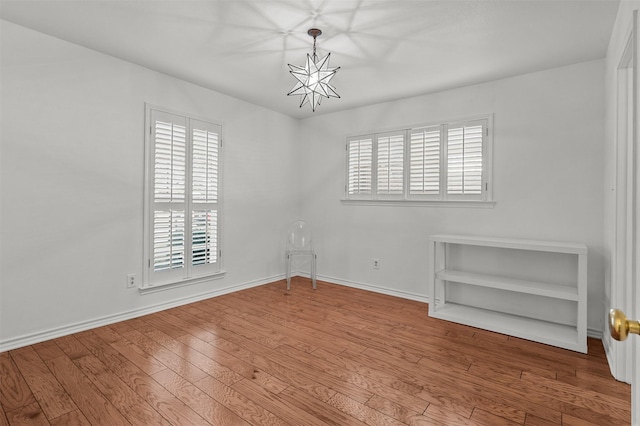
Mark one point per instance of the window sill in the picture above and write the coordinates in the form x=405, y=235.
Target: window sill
x=182, y=283
x=422, y=203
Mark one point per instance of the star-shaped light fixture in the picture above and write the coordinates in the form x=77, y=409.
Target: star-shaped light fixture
x=314, y=77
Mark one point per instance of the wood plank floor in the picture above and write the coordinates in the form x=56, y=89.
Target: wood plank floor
x=337, y=356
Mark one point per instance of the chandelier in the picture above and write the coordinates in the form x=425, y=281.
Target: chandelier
x=314, y=77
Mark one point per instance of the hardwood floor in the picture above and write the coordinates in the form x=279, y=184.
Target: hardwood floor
x=337, y=356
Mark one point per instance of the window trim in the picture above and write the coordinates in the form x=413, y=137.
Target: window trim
x=420, y=203
x=148, y=286
x=485, y=200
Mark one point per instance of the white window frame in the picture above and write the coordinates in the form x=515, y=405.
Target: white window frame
x=442, y=198
x=189, y=273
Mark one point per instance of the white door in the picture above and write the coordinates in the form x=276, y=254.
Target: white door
x=628, y=127
x=625, y=292
x=634, y=230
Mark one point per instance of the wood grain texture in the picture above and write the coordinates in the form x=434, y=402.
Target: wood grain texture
x=75, y=418
x=334, y=356
x=3, y=417
x=93, y=403
x=14, y=391
x=47, y=389
x=30, y=414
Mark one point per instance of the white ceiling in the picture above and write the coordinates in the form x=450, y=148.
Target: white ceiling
x=387, y=49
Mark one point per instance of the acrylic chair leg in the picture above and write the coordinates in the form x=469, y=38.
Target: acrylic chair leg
x=288, y=261
x=313, y=269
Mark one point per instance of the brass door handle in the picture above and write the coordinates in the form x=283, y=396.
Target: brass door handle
x=620, y=327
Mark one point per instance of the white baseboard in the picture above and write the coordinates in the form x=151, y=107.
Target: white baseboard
x=374, y=289
x=41, y=336
x=30, y=339
x=594, y=333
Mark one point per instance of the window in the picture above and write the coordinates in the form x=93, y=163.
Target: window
x=182, y=219
x=424, y=161
x=360, y=164
x=443, y=162
x=390, y=175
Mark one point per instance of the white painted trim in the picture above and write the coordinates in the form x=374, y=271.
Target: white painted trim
x=185, y=282
x=420, y=203
x=373, y=288
x=595, y=334
x=41, y=336
x=592, y=333
x=634, y=226
x=33, y=338
x=435, y=123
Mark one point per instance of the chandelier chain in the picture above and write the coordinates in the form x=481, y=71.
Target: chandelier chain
x=314, y=49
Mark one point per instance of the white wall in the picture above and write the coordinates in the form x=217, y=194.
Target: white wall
x=71, y=180
x=548, y=179
x=72, y=185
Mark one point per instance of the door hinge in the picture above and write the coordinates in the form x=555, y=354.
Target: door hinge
x=486, y=131
x=220, y=254
x=486, y=186
x=149, y=264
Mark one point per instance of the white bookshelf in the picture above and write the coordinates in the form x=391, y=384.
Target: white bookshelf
x=573, y=294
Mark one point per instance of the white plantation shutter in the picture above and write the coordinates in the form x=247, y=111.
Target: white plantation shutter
x=204, y=224
x=168, y=239
x=424, y=161
x=205, y=164
x=205, y=237
x=360, y=166
x=464, y=159
x=183, y=208
x=390, y=171
x=169, y=162
x=441, y=163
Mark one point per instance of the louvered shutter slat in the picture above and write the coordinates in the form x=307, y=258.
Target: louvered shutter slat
x=184, y=206
x=169, y=161
x=360, y=166
x=169, y=187
x=205, y=241
x=464, y=162
x=442, y=160
x=199, y=174
x=168, y=239
x=390, y=164
x=424, y=173
x=204, y=222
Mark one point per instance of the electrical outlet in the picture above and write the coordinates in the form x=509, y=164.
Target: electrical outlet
x=376, y=263
x=131, y=281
